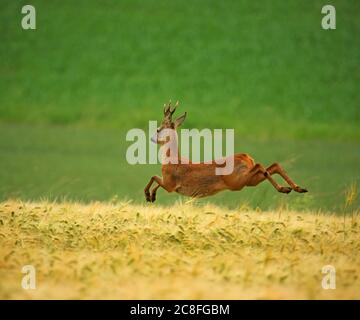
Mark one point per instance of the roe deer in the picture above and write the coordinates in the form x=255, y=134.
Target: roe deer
x=199, y=179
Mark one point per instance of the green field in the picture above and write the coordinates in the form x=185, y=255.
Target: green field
x=71, y=89
x=89, y=164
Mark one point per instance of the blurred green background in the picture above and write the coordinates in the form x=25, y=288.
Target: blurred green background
x=92, y=70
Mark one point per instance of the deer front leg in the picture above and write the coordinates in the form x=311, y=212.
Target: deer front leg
x=146, y=190
x=160, y=183
x=153, y=193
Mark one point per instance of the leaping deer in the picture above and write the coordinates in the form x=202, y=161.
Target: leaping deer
x=199, y=179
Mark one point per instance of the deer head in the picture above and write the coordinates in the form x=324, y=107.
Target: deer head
x=168, y=125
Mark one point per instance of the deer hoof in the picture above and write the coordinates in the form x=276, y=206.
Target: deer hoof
x=153, y=197
x=285, y=189
x=300, y=190
x=147, y=196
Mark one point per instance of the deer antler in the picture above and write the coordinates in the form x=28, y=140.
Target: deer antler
x=167, y=108
x=173, y=110
x=168, y=112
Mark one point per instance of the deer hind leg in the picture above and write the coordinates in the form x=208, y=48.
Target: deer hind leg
x=276, y=168
x=258, y=174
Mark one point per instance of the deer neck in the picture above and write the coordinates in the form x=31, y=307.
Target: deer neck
x=170, y=151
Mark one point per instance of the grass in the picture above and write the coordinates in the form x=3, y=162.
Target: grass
x=71, y=89
x=127, y=251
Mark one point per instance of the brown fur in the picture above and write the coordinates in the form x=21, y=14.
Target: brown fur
x=199, y=180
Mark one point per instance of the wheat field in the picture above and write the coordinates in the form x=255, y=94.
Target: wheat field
x=185, y=251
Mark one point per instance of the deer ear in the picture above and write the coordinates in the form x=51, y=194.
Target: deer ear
x=178, y=121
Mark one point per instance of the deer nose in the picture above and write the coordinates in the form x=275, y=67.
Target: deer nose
x=154, y=138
